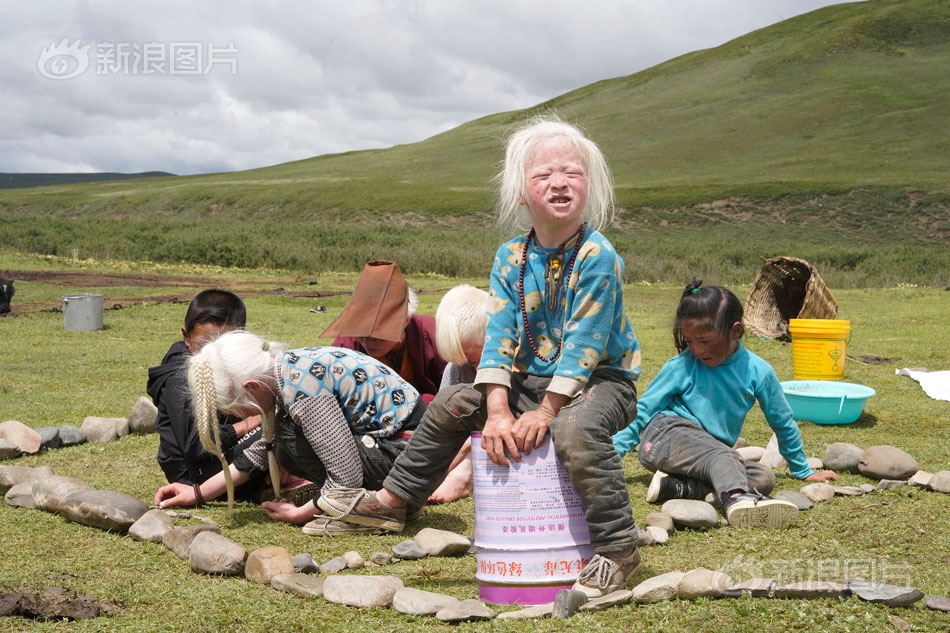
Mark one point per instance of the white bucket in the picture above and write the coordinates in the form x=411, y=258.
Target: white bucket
x=531, y=538
x=82, y=312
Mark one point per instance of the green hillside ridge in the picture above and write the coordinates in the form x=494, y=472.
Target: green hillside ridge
x=826, y=131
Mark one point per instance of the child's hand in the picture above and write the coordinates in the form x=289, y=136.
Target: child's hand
x=173, y=495
x=822, y=475
x=286, y=512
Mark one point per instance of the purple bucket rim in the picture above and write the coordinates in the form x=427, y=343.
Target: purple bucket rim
x=519, y=594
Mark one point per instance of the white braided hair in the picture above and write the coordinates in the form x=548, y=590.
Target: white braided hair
x=216, y=377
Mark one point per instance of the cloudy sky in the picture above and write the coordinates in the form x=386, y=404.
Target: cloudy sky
x=199, y=87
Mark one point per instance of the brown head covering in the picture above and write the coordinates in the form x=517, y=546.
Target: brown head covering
x=379, y=306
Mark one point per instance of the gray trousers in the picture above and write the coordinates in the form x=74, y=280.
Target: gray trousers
x=679, y=446
x=581, y=433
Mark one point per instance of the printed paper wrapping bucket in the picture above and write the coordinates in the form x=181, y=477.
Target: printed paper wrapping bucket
x=531, y=538
x=82, y=312
x=818, y=348
x=786, y=288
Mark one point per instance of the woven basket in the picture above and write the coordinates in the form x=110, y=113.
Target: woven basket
x=786, y=288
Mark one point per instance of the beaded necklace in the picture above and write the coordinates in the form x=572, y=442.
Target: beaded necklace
x=552, y=278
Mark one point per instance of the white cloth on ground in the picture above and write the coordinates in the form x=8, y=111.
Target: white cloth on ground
x=935, y=384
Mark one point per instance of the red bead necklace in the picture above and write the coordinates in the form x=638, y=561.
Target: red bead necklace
x=555, y=267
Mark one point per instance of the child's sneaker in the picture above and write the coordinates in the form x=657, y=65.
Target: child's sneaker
x=752, y=509
x=606, y=573
x=325, y=526
x=360, y=506
x=665, y=486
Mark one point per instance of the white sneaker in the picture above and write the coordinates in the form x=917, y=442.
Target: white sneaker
x=752, y=509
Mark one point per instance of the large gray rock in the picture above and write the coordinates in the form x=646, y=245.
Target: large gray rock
x=22, y=436
x=703, y=583
x=13, y=475
x=691, y=513
x=211, y=553
x=104, y=509
x=843, y=457
x=361, y=591
x=266, y=562
x=50, y=437
x=887, y=462
x=658, y=588
x=50, y=492
x=151, y=526
x=71, y=435
x=418, y=602
x=300, y=585
x=891, y=595
x=442, y=542
x=179, y=539
x=101, y=430
x=143, y=416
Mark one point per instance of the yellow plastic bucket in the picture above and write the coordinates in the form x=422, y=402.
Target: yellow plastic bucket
x=818, y=348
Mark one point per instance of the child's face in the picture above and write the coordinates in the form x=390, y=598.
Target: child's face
x=201, y=334
x=556, y=185
x=709, y=345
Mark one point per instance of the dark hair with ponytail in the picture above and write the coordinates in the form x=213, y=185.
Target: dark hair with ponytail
x=713, y=306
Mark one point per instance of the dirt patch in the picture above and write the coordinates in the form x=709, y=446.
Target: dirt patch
x=55, y=603
x=84, y=279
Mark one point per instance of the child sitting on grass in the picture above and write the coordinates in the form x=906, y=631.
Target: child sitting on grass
x=691, y=415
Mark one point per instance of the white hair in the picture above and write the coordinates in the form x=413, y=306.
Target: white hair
x=461, y=317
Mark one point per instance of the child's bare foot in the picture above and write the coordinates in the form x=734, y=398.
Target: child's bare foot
x=457, y=485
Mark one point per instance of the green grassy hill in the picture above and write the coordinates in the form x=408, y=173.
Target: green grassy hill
x=823, y=137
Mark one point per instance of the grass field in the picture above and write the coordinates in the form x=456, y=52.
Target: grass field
x=53, y=377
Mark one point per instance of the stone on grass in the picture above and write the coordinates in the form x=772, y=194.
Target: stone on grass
x=442, y=542
x=798, y=499
x=848, y=491
x=409, y=550
x=890, y=595
x=49, y=437
x=887, y=484
x=13, y=475
x=100, y=430
x=658, y=588
x=381, y=558
x=658, y=534
x=300, y=585
x=217, y=555
x=660, y=520
x=71, y=435
x=567, y=602
x=612, y=599
x=921, y=479
x=143, y=416
x=753, y=587
x=21, y=436
x=751, y=453
x=703, y=583
x=361, y=591
x=50, y=492
x=305, y=564
x=940, y=482
x=465, y=611
x=266, y=562
x=333, y=566
x=771, y=456
x=418, y=602
x=887, y=462
x=8, y=450
x=151, y=526
x=353, y=560
x=533, y=612
x=108, y=510
x=818, y=492
x=20, y=496
x=814, y=463
x=121, y=427
x=843, y=457
x=179, y=538
x=691, y=513
x=809, y=589
x=644, y=538
x=938, y=603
